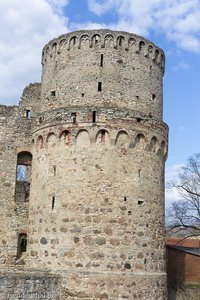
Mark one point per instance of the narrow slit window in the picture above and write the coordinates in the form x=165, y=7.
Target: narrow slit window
x=101, y=60
x=94, y=116
x=125, y=199
x=53, y=203
x=54, y=170
x=22, y=244
x=153, y=96
x=103, y=136
x=28, y=114
x=73, y=118
x=99, y=86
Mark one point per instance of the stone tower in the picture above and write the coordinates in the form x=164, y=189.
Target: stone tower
x=93, y=154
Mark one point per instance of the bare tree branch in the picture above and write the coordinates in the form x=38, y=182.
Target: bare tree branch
x=184, y=215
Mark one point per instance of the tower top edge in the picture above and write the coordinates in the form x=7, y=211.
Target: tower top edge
x=102, y=33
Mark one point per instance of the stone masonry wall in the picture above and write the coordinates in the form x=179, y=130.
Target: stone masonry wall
x=15, y=135
x=128, y=68
x=97, y=143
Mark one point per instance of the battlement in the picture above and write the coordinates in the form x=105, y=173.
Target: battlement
x=102, y=38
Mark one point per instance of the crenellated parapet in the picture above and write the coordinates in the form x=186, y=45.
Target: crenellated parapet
x=103, y=38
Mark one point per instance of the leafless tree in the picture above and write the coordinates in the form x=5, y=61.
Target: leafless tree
x=184, y=215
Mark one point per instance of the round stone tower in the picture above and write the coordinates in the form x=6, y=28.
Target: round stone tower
x=99, y=148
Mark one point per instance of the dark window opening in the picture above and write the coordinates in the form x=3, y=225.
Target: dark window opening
x=28, y=114
x=99, y=86
x=139, y=173
x=137, y=97
x=94, y=116
x=54, y=170
x=138, y=120
x=82, y=94
x=125, y=199
x=101, y=60
x=129, y=212
x=73, y=115
x=153, y=96
x=140, y=202
x=22, y=244
x=103, y=136
x=53, y=93
x=53, y=202
x=120, y=41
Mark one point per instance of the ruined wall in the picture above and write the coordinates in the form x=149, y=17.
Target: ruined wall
x=98, y=144
x=15, y=136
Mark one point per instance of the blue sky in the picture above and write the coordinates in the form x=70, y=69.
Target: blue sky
x=173, y=25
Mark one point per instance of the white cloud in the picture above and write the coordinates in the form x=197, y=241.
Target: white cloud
x=87, y=26
x=177, y=19
x=58, y=5
x=181, y=66
x=171, y=174
x=100, y=8
x=25, y=28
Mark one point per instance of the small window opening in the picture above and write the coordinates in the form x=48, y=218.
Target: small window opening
x=139, y=173
x=53, y=93
x=28, y=114
x=53, y=202
x=138, y=120
x=94, y=116
x=153, y=96
x=54, y=170
x=129, y=212
x=101, y=60
x=125, y=199
x=140, y=202
x=120, y=41
x=96, y=39
x=99, y=86
x=82, y=94
x=103, y=136
x=73, y=115
x=22, y=244
x=137, y=97
x=23, y=176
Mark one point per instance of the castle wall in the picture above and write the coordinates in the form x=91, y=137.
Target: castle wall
x=93, y=147
x=15, y=135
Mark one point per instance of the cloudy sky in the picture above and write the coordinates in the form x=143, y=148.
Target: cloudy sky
x=174, y=25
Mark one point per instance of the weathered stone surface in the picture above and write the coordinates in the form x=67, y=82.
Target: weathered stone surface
x=92, y=143
x=43, y=241
x=100, y=240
